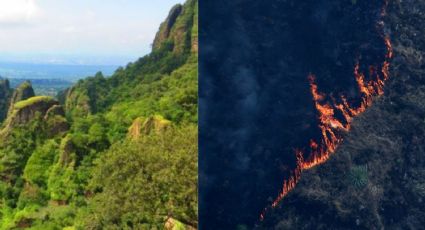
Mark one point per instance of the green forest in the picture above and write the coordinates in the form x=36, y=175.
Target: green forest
x=116, y=152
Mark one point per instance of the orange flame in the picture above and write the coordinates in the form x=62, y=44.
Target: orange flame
x=330, y=126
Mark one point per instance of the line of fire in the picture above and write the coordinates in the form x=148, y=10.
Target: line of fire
x=335, y=115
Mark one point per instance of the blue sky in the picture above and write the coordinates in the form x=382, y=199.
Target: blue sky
x=79, y=31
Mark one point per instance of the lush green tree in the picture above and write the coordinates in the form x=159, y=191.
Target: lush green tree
x=138, y=183
x=39, y=164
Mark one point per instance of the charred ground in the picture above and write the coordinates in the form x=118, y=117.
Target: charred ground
x=375, y=180
x=255, y=97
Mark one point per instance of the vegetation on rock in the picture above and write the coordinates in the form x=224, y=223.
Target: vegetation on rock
x=22, y=92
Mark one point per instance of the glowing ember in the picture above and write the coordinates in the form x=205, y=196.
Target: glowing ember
x=332, y=127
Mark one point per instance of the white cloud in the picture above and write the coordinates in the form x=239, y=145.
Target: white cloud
x=91, y=14
x=69, y=29
x=94, y=30
x=18, y=11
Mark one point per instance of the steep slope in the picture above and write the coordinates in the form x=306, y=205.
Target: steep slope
x=144, y=126
x=375, y=179
x=63, y=167
x=257, y=96
x=22, y=92
x=179, y=30
x=172, y=50
x=21, y=106
x=30, y=109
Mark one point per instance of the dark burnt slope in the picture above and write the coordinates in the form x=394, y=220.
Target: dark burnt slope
x=376, y=179
x=255, y=101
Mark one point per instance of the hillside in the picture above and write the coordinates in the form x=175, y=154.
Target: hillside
x=96, y=157
x=375, y=180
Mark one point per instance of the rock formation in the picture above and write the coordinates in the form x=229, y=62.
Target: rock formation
x=144, y=126
x=180, y=29
x=22, y=92
x=165, y=28
x=38, y=107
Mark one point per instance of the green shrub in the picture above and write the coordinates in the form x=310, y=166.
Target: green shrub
x=39, y=164
x=142, y=181
x=358, y=176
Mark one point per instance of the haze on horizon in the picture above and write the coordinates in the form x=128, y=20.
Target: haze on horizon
x=84, y=32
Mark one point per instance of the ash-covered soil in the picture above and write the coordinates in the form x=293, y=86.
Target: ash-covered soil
x=376, y=179
x=255, y=102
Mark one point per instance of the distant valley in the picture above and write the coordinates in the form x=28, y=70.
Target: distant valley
x=49, y=79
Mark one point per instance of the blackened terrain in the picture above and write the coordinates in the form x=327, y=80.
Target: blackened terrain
x=255, y=103
x=376, y=179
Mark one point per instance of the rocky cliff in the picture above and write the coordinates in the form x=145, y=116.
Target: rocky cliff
x=44, y=108
x=175, y=45
x=179, y=30
x=22, y=92
x=144, y=126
